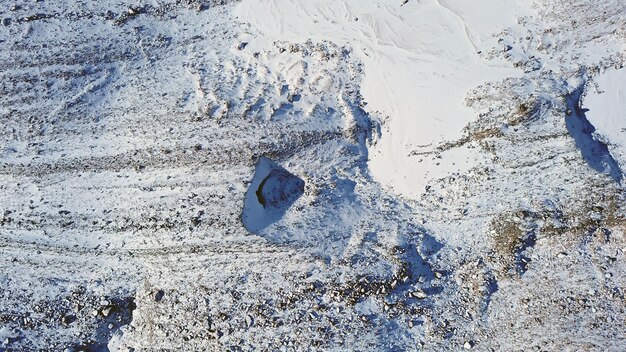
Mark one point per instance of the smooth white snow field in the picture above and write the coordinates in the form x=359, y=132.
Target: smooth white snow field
x=607, y=111
x=419, y=59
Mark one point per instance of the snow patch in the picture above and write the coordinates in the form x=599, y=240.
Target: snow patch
x=606, y=102
x=419, y=59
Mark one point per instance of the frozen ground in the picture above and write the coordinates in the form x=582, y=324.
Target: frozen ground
x=312, y=175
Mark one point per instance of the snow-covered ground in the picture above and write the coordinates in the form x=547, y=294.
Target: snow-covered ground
x=606, y=101
x=312, y=175
x=420, y=59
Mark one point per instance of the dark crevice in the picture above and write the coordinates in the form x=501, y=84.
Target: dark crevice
x=259, y=192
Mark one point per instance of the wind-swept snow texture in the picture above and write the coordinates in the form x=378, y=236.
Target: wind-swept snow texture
x=312, y=175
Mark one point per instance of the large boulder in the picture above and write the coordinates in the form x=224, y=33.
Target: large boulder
x=272, y=191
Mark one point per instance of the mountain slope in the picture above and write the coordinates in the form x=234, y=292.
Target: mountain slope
x=462, y=173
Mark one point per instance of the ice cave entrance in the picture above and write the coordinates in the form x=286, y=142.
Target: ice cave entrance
x=272, y=191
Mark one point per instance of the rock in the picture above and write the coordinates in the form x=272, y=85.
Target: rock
x=158, y=296
x=242, y=46
x=68, y=319
x=106, y=311
x=279, y=187
x=35, y=17
x=6, y=21
x=468, y=345
x=249, y=320
x=271, y=193
x=419, y=294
